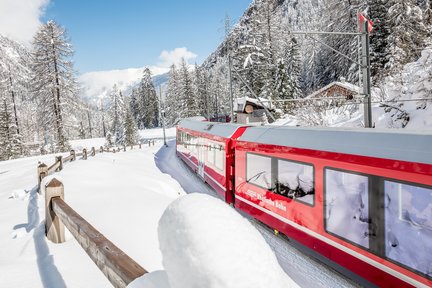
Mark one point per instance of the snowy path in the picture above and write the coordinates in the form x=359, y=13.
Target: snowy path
x=304, y=270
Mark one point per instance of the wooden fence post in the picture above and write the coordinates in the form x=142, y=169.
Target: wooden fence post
x=101, y=149
x=149, y=142
x=84, y=157
x=72, y=152
x=60, y=160
x=42, y=172
x=124, y=148
x=93, y=151
x=118, y=149
x=54, y=228
x=139, y=145
x=153, y=142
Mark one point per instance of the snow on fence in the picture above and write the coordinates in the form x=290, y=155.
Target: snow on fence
x=118, y=267
x=43, y=170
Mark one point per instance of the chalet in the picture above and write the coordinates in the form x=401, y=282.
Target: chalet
x=337, y=89
x=251, y=111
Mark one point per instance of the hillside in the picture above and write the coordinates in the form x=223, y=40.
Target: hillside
x=278, y=65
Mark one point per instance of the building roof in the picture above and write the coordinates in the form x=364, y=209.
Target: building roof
x=348, y=86
x=241, y=102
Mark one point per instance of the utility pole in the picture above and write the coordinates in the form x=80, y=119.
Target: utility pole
x=364, y=62
x=227, y=31
x=366, y=75
x=162, y=113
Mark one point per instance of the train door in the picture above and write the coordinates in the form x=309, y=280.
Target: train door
x=201, y=156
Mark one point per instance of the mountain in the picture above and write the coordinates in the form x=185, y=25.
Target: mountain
x=99, y=84
x=14, y=58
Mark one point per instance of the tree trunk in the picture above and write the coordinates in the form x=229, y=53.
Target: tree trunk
x=14, y=104
x=60, y=136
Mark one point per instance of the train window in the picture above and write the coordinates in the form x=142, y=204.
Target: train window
x=211, y=155
x=258, y=171
x=219, y=158
x=408, y=225
x=296, y=181
x=347, y=206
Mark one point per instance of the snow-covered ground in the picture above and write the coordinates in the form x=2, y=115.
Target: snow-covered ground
x=124, y=196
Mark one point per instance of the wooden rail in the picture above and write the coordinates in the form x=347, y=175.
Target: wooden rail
x=117, y=266
x=43, y=170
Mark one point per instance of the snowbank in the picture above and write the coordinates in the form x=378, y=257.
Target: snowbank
x=205, y=243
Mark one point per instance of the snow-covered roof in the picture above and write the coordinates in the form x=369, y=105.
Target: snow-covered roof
x=413, y=146
x=351, y=87
x=224, y=130
x=243, y=100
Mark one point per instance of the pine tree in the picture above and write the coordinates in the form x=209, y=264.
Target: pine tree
x=109, y=140
x=116, y=111
x=379, y=39
x=187, y=97
x=14, y=77
x=53, y=81
x=131, y=136
x=172, y=97
x=147, y=100
x=408, y=33
x=201, y=91
x=10, y=140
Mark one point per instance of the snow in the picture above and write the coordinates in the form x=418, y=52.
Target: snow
x=400, y=91
x=205, y=243
x=124, y=195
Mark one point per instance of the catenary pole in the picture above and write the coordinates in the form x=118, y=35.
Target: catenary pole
x=366, y=75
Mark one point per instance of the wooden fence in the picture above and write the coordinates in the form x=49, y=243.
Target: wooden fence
x=118, y=267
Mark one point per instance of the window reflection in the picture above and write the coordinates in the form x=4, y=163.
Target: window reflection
x=296, y=181
x=347, y=206
x=258, y=171
x=408, y=222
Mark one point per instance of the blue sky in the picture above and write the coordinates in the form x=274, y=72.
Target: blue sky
x=116, y=34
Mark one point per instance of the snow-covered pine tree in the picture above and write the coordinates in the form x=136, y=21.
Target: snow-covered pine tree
x=379, y=47
x=147, y=99
x=200, y=84
x=15, y=72
x=133, y=103
x=288, y=76
x=53, y=82
x=116, y=111
x=131, y=136
x=10, y=140
x=408, y=33
x=109, y=140
x=187, y=96
x=172, y=97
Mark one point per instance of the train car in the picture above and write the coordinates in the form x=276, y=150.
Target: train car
x=207, y=148
x=360, y=198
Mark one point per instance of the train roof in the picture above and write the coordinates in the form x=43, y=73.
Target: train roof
x=225, y=130
x=412, y=146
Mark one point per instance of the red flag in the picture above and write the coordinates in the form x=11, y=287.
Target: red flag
x=362, y=19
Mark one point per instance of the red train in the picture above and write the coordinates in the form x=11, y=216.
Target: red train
x=360, y=198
